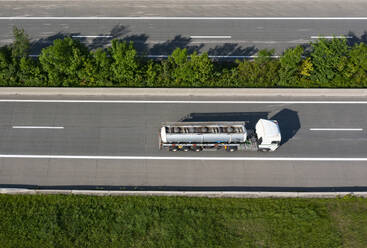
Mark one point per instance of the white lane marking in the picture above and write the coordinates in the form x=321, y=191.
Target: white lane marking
x=91, y=36
x=210, y=37
x=171, y=18
x=332, y=37
x=188, y=102
x=37, y=127
x=336, y=129
x=182, y=158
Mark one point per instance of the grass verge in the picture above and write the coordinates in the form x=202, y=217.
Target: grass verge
x=92, y=221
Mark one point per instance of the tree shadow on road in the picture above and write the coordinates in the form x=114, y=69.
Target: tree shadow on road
x=232, y=49
x=143, y=45
x=169, y=46
x=354, y=39
x=36, y=46
x=105, y=39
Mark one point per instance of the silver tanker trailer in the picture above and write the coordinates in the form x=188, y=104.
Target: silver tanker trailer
x=230, y=136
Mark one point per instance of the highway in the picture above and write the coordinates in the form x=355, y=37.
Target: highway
x=81, y=142
x=161, y=37
x=157, y=27
x=87, y=142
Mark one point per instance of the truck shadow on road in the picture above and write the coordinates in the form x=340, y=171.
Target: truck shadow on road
x=288, y=120
x=289, y=123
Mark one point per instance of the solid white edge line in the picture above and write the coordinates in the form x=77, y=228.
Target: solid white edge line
x=182, y=158
x=171, y=18
x=238, y=194
x=37, y=127
x=188, y=102
x=336, y=129
x=210, y=37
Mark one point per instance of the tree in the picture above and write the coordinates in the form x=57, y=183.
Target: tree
x=153, y=74
x=202, y=68
x=16, y=68
x=357, y=66
x=7, y=70
x=290, y=66
x=63, y=62
x=262, y=72
x=125, y=66
x=329, y=59
x=21, y=45
x=188, y=71
x=264, y=56
x=96, y=70
x=179, y=68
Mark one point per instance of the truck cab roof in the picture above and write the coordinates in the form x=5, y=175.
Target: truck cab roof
x=268, y=131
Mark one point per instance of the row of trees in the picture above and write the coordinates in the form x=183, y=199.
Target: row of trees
x=69, y=63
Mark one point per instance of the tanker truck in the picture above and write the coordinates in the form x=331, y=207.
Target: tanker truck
x=229, y=136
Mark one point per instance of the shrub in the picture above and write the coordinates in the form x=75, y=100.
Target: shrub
x=62, y=62
x=69, y=63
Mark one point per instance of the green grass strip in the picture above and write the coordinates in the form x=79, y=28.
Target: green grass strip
x=92, y=221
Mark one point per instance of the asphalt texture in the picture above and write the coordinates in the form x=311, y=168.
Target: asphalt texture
x=131, y=129
x=161, y=37
x=259, y=8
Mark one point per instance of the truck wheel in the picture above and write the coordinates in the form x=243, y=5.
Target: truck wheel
x=173, y=149
x=231, y=149
x=186, y=149
x=264, y=150
x=197, y=149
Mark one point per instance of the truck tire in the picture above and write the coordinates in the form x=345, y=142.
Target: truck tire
x=197, y=149
x=231, y=148
x=264, y=150
x=173, y=149
x=186, y=149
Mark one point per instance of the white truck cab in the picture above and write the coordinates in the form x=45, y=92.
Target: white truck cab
x=268, y=134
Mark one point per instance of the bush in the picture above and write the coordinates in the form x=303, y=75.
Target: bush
x=69, y=63
x=330, y=60
x=63, y=61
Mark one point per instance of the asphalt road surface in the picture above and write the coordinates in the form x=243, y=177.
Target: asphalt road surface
x=217, y=36
x=161, y=37
x=77, y=143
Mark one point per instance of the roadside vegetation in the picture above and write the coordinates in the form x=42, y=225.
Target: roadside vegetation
x=105, y=221
x=325, y=63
